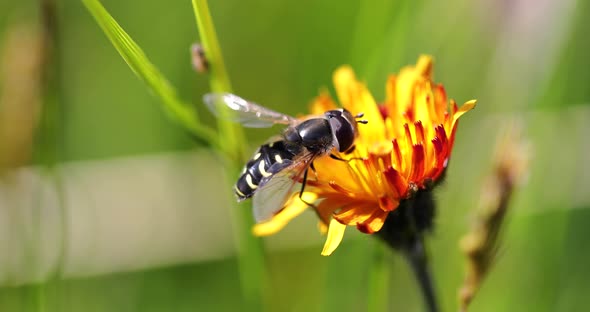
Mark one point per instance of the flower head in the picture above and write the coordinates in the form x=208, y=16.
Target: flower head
x=405, y=147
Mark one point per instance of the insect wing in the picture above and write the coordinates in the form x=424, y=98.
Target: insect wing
x=274, y=192
x=247, y=113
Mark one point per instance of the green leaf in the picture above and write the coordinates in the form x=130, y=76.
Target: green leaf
x=178, y=110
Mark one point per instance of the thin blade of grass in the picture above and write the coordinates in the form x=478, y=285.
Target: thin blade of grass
x=178, y=111
x=251, y=258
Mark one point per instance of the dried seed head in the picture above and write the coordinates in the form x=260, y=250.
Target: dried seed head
x=481, y=244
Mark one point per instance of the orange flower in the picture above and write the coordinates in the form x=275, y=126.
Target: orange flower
x=404, y=148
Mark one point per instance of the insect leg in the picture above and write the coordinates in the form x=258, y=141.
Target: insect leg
x=350, y=150
x=346, y=160
x=314, y=171
x=303, y=183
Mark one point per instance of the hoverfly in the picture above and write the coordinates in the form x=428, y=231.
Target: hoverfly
x=277, y=166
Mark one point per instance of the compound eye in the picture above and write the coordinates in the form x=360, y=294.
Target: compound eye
x=343, y=132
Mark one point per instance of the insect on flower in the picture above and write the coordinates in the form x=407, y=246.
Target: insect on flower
x=276, y=167
x=399, y=157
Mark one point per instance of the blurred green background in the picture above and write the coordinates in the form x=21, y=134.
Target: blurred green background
x=523, y=60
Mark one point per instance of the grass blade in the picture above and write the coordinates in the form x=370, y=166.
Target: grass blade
x=178, y=110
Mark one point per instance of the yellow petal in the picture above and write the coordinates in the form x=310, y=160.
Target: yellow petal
x=322, y=103
x=404, y=88
x=424, y=66
x=322, y=227
x=335, y=234
x=462, y=110
x=346, y=86
x=355, y=97
x=294, y=208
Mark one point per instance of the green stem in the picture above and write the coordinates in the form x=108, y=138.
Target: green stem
x=231, y=136
x=251, y=259
x=377, y=299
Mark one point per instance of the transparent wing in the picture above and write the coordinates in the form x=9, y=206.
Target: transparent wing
x=247, y=113
x=272, y=195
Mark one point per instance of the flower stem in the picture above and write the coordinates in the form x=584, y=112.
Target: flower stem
x=404, y=231
x=416, y=256
x=231, y=140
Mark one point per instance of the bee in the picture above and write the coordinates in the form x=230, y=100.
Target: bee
x=276, y=167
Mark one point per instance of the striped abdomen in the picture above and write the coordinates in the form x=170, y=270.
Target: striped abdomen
x=267, y=160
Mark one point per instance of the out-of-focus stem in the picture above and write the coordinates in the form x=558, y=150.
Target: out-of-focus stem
x=378, y=286
x=48, y=136
x=48, y=133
